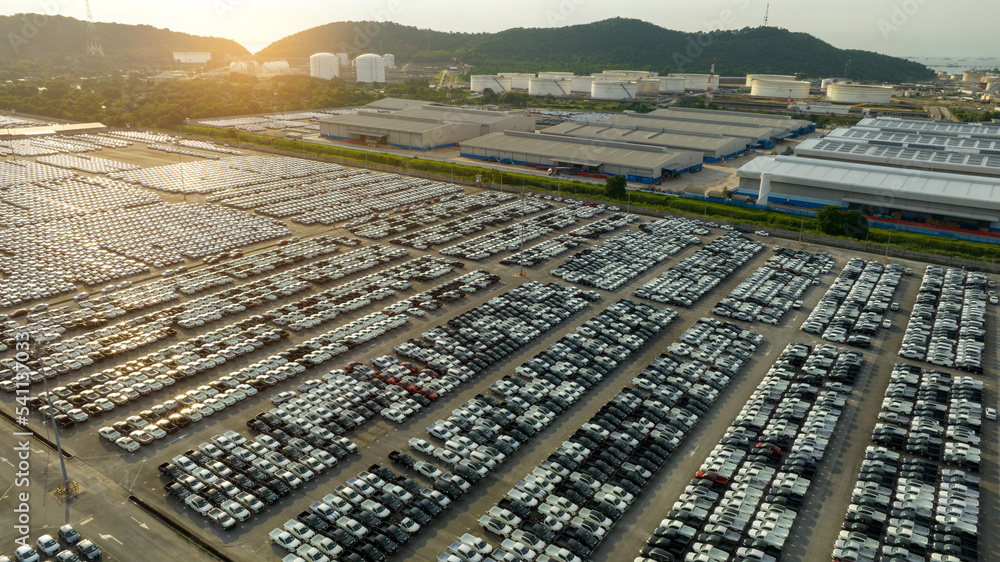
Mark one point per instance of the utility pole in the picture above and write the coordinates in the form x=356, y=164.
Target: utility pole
x=887, y=245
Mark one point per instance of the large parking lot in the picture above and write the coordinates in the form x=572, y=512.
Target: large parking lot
x=315, y=319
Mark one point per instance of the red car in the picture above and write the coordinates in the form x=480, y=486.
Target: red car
x=769, y=447
x=713, y=476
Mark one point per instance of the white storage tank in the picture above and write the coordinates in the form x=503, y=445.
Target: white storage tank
x=324, y=65
x=370, y=68
x=581, y=84
x=858, y=93
x=499, y=84
x=825, y=83
x=389, y=60
x=612, y=90
x=971, y=76
x=629, y=74
x=752, y=77
x=672, y=84
x=549, y=86
x=276, y=67
x=554, y=74
x=647, y=87
x=518, y=81
x=699, y=82
x=245, y=67
x=767, y=88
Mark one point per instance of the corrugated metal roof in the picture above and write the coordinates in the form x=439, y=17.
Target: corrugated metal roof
x=735, y=117
x=888, y=183
x=901, y=156
x=584, y=151
x=940, y=127
x=676, y=126
x=396, y=104
x=946, y=142
x=455, y=114
x=386, y=122
x=628, y=133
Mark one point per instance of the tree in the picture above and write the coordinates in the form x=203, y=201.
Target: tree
x=614, y=187
x=727, y=194
x=490, y=97
x=831, y=220
x=855, y=224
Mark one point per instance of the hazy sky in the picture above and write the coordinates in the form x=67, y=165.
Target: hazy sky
x=894, y=27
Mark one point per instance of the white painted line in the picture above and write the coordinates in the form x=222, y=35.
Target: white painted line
x=85, y=521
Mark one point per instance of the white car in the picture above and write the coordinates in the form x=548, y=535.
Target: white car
x=128, y=444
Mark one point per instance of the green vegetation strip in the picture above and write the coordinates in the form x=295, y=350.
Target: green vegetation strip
x=949, y=247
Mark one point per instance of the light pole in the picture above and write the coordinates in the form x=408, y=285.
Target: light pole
x=887, y=245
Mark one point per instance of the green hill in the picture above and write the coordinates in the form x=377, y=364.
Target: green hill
x=57, y=44
x=612, y=43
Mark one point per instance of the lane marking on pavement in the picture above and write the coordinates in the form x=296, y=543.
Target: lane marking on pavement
x=106, y=537
x=87, y=520
x=141, y=524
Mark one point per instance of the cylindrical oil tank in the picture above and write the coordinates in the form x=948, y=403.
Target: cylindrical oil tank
x=554, y=74
x=826, y=83
x=766, y=88
x=752, y=77
x=518, y=81
x=549, y=86
x=370, y=68
x=324, y=65
x=628, y=74
x=390, y=60
x=858, y=93
x=647, y=87
x=612, y=90
x=970, y=76
x=699, y=82
x=499, y=84
x=276, y=67
x=581, y=84
x=672, y=84
x=245, y=67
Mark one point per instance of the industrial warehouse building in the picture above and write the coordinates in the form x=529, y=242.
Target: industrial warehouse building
x=637, y=162
x=784, y=125
x=934, y=198
x=918, y=140
x=712, y=148
x=982, y=130
x=421, y=126
x=934, y=159
x=751, y=136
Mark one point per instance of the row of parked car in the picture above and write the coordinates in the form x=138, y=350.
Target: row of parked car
x=777, y=287
x=60, y=547
x=907, y=509
x=573, y=499
x=629, y=254
x=512, y=237
x=744, y=500
x=333, y=208
x=685, y=283
x=481, y=434
x=476, y=212
x=565, y=242
x=241, y=477
x=99, y=394
x=855, y=306
x=948, y=323
x=176, y=413
x=368, y=518
x=324, y=306
x=933, y=414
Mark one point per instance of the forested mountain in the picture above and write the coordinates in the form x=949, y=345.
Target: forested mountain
x=612, y=43
x=35, y=44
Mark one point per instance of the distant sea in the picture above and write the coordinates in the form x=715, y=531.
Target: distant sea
x=958, y=64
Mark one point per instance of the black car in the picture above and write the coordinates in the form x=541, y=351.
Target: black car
x=416, y=514
x=384, y=543
x=402, y=459
x=177, y=490
x=278, y=486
